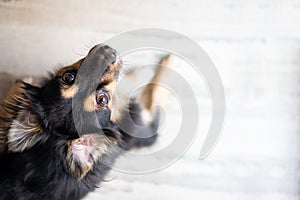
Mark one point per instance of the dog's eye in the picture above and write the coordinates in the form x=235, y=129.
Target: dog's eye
x=102, y=99
x=68, y=78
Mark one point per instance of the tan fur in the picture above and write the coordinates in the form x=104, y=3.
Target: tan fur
x=90, y=104
x=148, y=94
x=24, y=132
x=69, y=92
x=84, y=152
x=75, y=65
x=13, y=97
x=18, y=130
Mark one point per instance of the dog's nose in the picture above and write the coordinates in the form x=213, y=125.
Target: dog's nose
x=105, y=52
x=110, y=53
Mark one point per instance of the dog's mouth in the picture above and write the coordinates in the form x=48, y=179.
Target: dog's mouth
x=95, y=84
x=97, y=78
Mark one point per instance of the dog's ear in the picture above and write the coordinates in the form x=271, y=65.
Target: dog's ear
x=30, y=92
x=25, y=130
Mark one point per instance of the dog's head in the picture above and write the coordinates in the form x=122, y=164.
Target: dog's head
x=74, y=101
x=78, y=99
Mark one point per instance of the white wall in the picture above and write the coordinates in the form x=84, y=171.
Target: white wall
x=256, y=48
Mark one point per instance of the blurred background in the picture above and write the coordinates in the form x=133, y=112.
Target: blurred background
x=255, y=46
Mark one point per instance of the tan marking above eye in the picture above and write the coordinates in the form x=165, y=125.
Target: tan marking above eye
x=69, y=92
x=89, y=103
x=111, y=87
x=74, y=66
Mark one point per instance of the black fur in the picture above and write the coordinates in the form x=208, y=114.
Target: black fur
x=41, y=170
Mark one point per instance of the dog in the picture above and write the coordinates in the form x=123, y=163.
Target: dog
x=59, y=138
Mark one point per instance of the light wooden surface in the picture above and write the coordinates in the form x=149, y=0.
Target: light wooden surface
x=255, y=46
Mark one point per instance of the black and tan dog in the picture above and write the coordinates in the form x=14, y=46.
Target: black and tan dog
x=53, y=148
